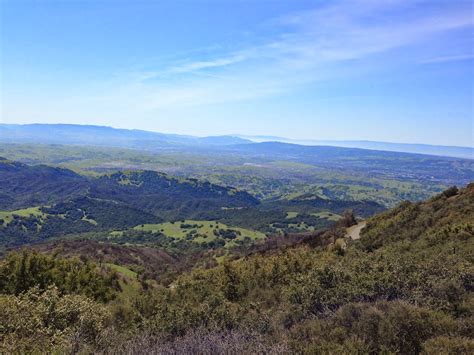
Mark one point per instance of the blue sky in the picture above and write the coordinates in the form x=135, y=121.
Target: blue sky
x=390, y=70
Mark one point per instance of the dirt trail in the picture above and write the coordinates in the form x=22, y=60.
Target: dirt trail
x=354, y=231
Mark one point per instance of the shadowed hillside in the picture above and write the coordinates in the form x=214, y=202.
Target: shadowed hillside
x=25, y=186
x=40, y=202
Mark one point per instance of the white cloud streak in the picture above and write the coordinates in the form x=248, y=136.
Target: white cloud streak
x=209, y=64
x=449, y=58
x=309, y=46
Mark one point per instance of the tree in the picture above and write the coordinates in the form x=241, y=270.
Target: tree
x=230, y=283
x=348, y=219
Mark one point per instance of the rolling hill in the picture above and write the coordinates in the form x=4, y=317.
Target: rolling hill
x=267, y=170
x=24, y=186
x=40, y=202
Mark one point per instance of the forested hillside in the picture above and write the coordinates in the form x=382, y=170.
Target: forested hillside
x=24, y=186
x=405, y=287
x=40, y=202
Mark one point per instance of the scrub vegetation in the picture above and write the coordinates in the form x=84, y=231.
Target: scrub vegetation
x=386, y=292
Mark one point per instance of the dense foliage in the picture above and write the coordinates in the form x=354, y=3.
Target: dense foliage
x=446, y=217
x=48, y=321
x=23, y=270
x=25, y=186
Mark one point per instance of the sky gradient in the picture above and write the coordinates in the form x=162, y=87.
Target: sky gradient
x=399, y=71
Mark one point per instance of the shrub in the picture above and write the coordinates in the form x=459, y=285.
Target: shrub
x=448, y=345
x=23, y=270
x=43, y=321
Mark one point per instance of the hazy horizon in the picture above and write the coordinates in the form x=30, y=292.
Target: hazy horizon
x=304, y=70
x=257, y=138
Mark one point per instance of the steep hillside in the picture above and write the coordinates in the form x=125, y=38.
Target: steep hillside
x=24, y=186
x=147, y=262
x=446, y=215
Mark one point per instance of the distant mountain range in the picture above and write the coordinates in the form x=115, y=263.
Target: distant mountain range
x=439, y=150
x=146, y=140
x=105, y=136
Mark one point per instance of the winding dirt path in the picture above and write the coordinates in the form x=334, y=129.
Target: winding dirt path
x=354, y=231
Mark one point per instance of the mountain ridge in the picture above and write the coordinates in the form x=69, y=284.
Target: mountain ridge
x=105, y=136
x=413, y=148
x=150, y=140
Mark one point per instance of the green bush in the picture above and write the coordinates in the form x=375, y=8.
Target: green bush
x=448, y=345
x=43, y=321
x=23, y=270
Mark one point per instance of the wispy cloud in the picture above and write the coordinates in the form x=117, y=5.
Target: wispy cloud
x=206, y=64
x=448, y=58
x=300, y=49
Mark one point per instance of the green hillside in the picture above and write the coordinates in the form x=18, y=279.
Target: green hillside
x=202, y=231
x=449, y=214
x=406, y=286
x=41, y=202
x=67, y=203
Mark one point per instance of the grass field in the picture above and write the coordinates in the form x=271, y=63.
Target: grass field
x=327, y=215
x=129, y=284
x=122, y=270
x=290, y=215
x=202, y=231
x=324, y=214
x=7, y=216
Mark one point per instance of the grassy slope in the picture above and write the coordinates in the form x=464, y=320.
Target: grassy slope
x=7, y=216
x=324, y=214
x=328, y=215
x=291, y=214
x=204, y=228
x=122, y=270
